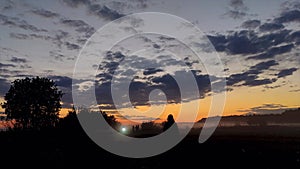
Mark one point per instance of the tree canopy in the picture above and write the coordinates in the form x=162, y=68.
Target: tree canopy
x=33, y=103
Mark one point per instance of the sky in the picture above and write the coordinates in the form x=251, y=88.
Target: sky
x=257, y=42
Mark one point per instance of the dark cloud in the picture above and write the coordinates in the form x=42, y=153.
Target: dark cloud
x=288, y=16
x=3, y=65
x=80, y=26
x=251, y=24
x=64, y=83
x=110, y=64
x=156, y=46
x=72, y=46
x=248, y=42
x=167, y=61
x=6, y=73
x=139, y=91
x=17, y=22
x=264, y=65
x=219, y=42
x=251, y=76
x=257, y=82
x=239, y=77
x=165, y=38
x=237, y=9
x=266, y=109
x=19, y=75
x=237, y=4
x=273, y=52
x=114, y=56
x=272, y=87
x=297, y=90
x=286, y=72
x=42, y=37
x=104, y=77
x=204, y=84
x=57, y=55
x=59, y=38
x=142, y=84
x=108, y=67
x=76, y=3
x=290, y=5
x=18, y=60
x=103, y=93
x=81, y=41
x=271, y=39
x=104, y=12
x=189, y=62
x=268, y=27
x=7, y=5
x=4, y=87
x=20, y=36
x=294, y=37
x=241, y=43
x=140, y=63
x=26, y=26
x=120, y=5
x=45, y=13
x=281, y=49
x=236, y=43
x=248, y=79
x=74, y=23
x=25, y=66
x=150, y=71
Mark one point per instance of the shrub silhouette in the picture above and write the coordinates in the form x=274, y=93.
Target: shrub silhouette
x=33, y=103
x=88, y=118
x=150, y=125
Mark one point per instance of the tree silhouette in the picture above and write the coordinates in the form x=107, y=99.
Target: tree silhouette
x=70, y=121
x=111, y=120
x=91, y=118
x=33, y=103
x=149, y=125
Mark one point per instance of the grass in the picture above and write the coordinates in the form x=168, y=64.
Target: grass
x=229, y=147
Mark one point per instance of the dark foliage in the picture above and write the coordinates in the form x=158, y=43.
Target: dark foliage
x=33, y=103
x=72, y=124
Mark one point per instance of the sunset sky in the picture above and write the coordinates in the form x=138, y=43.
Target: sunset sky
x=258, y=43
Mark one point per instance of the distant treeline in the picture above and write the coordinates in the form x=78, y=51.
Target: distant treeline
x=288, y=117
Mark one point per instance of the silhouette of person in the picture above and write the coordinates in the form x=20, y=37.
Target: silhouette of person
x=170, y=121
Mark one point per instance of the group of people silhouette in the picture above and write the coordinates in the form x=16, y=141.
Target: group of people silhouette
x=135, y=128
x=166, y=125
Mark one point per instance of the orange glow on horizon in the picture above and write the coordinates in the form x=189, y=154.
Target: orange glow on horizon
x=239, y=101
x=1, y=101
x=64, y=112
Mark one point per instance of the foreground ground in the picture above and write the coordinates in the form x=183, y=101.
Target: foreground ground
x=229, y=147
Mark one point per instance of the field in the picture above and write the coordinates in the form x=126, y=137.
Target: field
x=229, y=147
